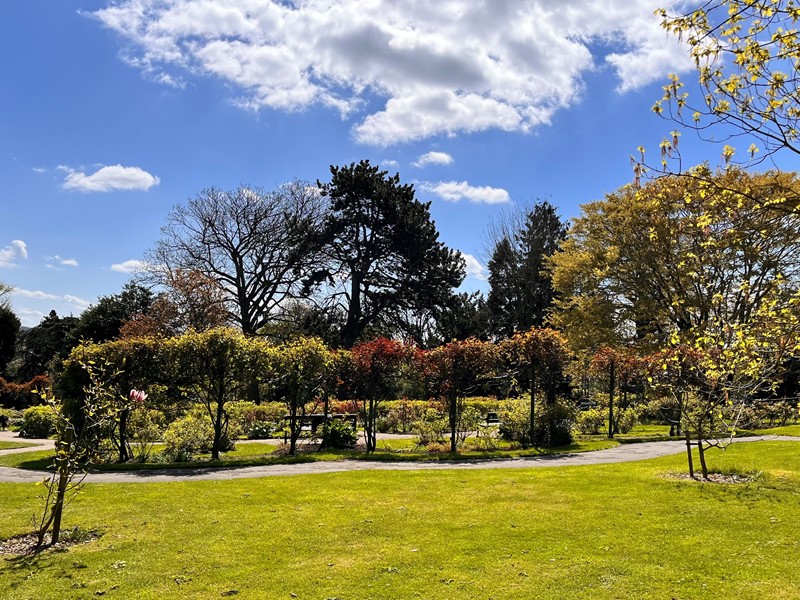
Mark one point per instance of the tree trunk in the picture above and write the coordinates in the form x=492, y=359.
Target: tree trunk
x=532, y=432
x=453, y=422
x=689, y=453
x=217, y=430
x=352, y=327
x=124, y=455
x=325, y=410
x=611, y=382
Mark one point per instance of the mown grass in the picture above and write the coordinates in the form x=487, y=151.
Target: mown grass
x=609, y=531
x=15, y=445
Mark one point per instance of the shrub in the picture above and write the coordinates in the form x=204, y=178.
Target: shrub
x=483, y=404
x=260, y=430
x=187, y=436
x=430, y=429
x=339, y=434
x=515, y=419
x=144, y=429
x=38, y=422
x=402, y=414
x=553, y=423
x=590, y=422
x=626, y=420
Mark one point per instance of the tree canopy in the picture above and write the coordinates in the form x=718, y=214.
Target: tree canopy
x=249, y=242
x=747, y=58
x=380, y=251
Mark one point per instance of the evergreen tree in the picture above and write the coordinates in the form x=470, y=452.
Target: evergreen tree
x=520, y=288
x=382, y=255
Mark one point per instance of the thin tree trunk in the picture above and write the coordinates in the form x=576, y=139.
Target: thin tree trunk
x=532, y=433
x=453, y=422
x=217, y=430
x=611, y=382
x=124, y=455
x=689, y=453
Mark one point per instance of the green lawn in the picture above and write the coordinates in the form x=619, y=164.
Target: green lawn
x=609, y=531
x=14, y=445
x=785, y=430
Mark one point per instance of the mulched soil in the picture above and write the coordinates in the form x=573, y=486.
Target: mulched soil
x=714, y=478
x=25, y=545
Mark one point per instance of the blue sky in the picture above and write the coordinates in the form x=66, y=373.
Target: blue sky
x=114, y=112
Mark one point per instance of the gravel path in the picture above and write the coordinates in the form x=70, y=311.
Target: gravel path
x=618, y=454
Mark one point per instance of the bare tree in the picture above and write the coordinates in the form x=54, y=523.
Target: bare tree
x=248, y=242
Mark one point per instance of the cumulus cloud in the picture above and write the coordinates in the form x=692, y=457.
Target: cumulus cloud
x=75, y=301
x=433, y=158
x=439, y=68
x=9, y=255
x=39, y=170
x=474, y=267
x=129, y=266
x=107, y=179
x=455, y=191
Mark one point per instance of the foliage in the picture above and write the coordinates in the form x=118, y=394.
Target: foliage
x=76, y=445
x=38, y=422
x=452, y=371
x=21, y=395
x=187, y=436
x=301, y=373
x=214, y=366
x=537, y=356
x=626, y=420
x=380, y=240
x=339, y=435
x=375, y=371
x=102, y=321
x=746, y=53
x=39, y=347
x=430, y=428
x=590, y=422
x=9, y=330
x=145, y=429
x=520, y=291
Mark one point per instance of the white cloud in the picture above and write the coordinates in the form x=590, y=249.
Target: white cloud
x=433, y=158
x=39, y=170
x=67, y=262
x=455, y=191
x=107, y=179
x=389, y=164
x=16, y=250
x=440, y=68
x=474, y=268
x=75, y=301
x=129, y=266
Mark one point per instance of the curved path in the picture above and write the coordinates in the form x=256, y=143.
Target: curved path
x=618, y=454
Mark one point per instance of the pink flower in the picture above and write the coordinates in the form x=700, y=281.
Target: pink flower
x=138, y=396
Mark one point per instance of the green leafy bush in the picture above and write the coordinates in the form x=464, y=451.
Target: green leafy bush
x=339, y=434
x=590, y=422
x=187, y=436
x=430, y=429
x=626, y=420
x=515, y=421
x=144, y=429
x=553, y=423
x=260, y=430
x=38, y=422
